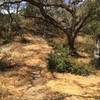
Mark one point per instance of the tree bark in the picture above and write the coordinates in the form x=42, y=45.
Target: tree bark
x=71, y=44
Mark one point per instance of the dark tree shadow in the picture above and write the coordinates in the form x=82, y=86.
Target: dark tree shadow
x=6, y=65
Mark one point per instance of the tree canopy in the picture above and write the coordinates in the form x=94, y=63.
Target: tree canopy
x=70, y=17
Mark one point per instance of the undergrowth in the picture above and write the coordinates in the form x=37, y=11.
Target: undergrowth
x=60, y=61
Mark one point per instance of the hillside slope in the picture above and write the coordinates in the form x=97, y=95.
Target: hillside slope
x=25, y=75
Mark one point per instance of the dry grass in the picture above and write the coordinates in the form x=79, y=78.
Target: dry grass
x=30, y=60
x=30, y=80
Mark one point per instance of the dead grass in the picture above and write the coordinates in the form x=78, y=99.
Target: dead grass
x=30, y=80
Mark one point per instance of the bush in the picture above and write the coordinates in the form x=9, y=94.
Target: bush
x=84, y=69
x=59, y=61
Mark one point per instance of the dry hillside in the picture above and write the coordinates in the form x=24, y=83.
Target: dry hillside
x=25, y=75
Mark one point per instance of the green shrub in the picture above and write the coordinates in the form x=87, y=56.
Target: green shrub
x=6, y=41
x=84, y=69
x=59, y=61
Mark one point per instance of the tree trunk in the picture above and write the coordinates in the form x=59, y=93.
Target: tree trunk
x=96, y=60
x=71, y=44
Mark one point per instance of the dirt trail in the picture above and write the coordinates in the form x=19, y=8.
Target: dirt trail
x=30, y=80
